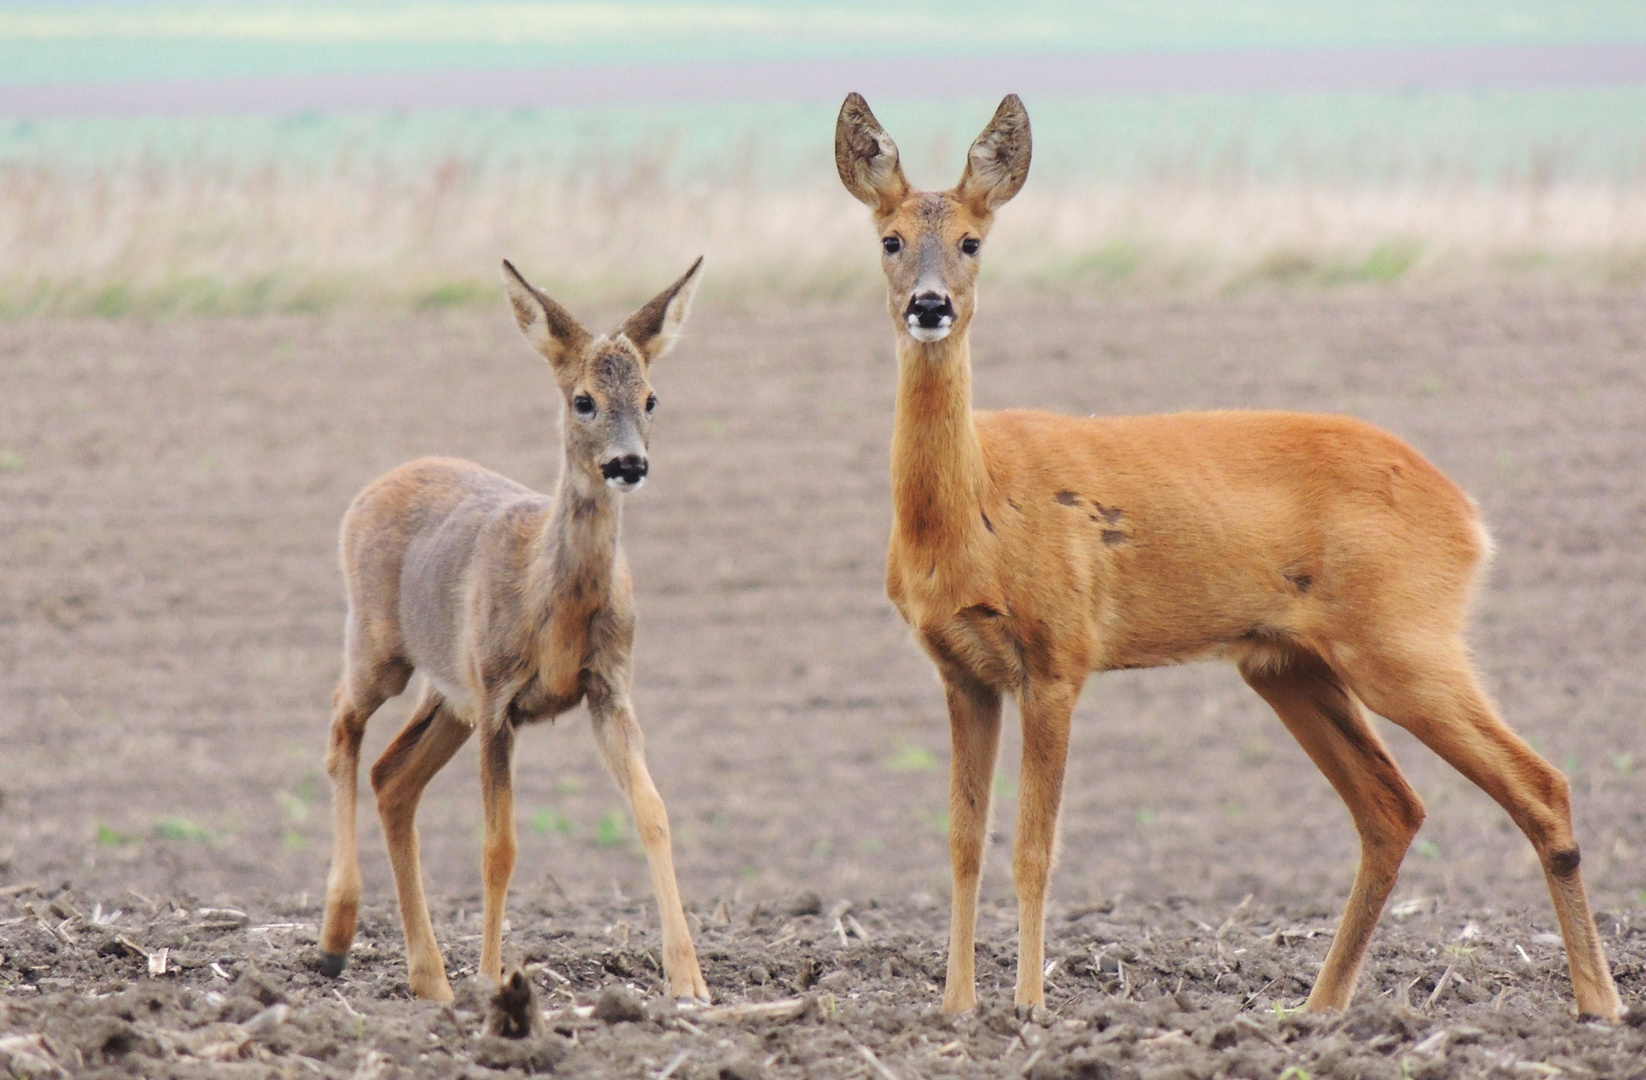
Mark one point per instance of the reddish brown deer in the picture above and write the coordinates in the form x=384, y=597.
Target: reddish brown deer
x=515, y=607
x=1327, y=559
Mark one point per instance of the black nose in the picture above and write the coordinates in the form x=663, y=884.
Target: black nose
x=929, y=310
x=630, y=468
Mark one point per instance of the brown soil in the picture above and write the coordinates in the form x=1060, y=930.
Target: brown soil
x=169, y=635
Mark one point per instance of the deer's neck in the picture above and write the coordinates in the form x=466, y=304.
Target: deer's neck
x=938, y=473
x=578, y=545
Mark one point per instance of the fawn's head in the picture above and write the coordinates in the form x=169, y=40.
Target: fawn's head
x=604, y=380
x=931, y=240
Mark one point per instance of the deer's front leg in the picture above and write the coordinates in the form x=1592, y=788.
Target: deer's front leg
x=622, y=746
x=497, y=854
x=1046, y=708
x=974, y=730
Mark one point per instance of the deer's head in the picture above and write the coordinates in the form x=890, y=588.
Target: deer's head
x=604, y=380
x=931, y=241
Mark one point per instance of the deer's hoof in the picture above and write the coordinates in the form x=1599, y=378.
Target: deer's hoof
x=1034, y=1014
x=331, y=964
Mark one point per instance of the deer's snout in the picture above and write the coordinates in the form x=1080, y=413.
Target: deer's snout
x=625, y=472
x=929, y=315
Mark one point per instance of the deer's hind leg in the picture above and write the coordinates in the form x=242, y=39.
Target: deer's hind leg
x=1432, y=692
x=1329, y=724
x=424, y=745
x=354, y=702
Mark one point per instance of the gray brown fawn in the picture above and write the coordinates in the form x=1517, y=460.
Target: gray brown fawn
x=515, y=607
x=1327, y=559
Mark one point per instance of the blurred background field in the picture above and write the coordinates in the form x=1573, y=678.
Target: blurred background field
x=192, y=211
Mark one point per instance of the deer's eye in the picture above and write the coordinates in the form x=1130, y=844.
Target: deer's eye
x=892, y=245
x=584, y=404
x=651, y=404
x=970, y=245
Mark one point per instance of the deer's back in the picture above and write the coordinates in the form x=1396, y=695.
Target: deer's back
x=414, y=543
x=1159, y=538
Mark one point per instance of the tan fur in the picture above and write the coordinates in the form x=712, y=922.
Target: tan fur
x=516, y=607
x=1326, y=558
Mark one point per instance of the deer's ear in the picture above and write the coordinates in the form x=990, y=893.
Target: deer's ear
x=998, y=162
x=549, y=327
x=866, y=158
x=656, y=327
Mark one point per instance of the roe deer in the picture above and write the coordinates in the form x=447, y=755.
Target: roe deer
x=515, y=607
x=1326, y=558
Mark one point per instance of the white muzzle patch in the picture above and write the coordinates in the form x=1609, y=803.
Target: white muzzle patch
x=928, y=333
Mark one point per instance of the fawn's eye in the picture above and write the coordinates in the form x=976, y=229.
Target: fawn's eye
x=651, y=404
x=892, y=245
x=584, y=404
x=970, y=245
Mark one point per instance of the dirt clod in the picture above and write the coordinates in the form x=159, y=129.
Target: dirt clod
x=512, y=1012
x=806, y=903
x=742, y=1069
x=534, y=1054
x=619, y=1004
x=262, y=988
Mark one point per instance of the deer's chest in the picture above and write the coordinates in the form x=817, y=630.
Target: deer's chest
x=563, y=655
x=970, y=634
x=979, y=643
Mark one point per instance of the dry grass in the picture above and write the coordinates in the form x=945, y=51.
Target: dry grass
x=206, y=239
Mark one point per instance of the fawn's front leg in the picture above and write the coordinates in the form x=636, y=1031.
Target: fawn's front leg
x=974, y=731
x=498, y=851
x=1046, y=708
x=622, y=746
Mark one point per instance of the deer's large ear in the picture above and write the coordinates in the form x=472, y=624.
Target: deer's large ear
x=549, y=327
x=656, y=327
x=998, y=162
x=866, y=158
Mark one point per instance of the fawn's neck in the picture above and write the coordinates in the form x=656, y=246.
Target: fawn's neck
x=938, y=473
x=578, y=545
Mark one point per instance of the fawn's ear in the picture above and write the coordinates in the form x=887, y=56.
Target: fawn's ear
x=548, y=326
x=656, y=327
x=998, y=162
x=866, y=158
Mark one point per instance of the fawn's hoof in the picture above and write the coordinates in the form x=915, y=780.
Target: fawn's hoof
x=331, y=964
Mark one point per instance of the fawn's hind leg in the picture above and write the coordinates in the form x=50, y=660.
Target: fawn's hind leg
x=1432, y=692
x=424, y=745
x=1330, y=726
x=351, y=708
